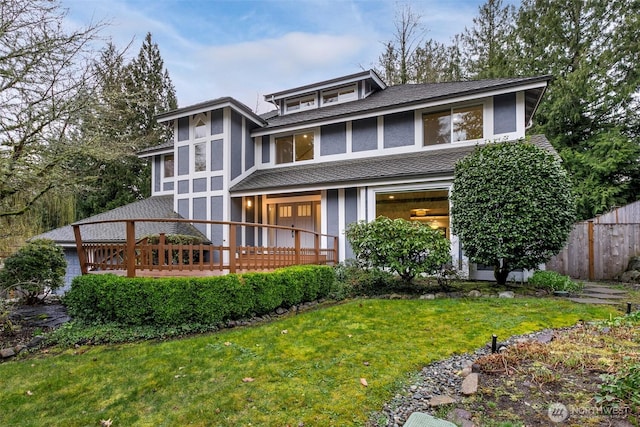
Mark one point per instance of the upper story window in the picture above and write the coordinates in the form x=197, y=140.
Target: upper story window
x=299, y=104
x=294, y=148
x=343, y=94
x=168, y=163
x=200, y=157
x=200, y=128
x=453, y=125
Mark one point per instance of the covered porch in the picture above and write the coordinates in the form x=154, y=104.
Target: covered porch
x=138, y=255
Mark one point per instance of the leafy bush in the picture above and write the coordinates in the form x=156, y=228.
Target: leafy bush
x=174, y=301
x=175, y=239
x=35, y=269
x=512, y=206
x=404, y=247
x=621, y=389
x=554, y=281
x=353, y=280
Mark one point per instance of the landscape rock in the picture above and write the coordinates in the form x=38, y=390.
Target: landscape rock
x=461, y=417
x=19, y=348
x=5, y=353
x=506, y=294
x=545, y=338
x=35, y=341
x=428, y=296
x=441, y=400
x=634, y=263
x=470, y=384
x=474, y=293
x=631, y=276
x=466, y=371
x=280, y=310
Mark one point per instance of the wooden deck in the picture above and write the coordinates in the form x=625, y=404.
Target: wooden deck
x=144, y=259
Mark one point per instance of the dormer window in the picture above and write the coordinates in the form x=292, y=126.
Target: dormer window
x=300, y=104
x=343, y=94
x=453, y=125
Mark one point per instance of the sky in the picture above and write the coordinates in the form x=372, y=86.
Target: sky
x=247, y=49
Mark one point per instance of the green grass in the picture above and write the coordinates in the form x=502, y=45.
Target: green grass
x=310, y=374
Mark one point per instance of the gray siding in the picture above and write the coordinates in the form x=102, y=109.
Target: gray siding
x=73, y=269
x=350, y=214
x=217, y=121
x=333, y=228
x=183, y=186
x=183, y=128
x=157, y=165
x=333, y=139
x=217, y=155
x=167, y=186
x=236, y=144
x=364, y=134
x=183, y=160
x=236, y=215
x=266, y=149
x=399, y=129
x=199, y=185
x=200, y=212
x=216, y=183
x=504, y=113
x=249, y=150
x=216, y=215
x=183, y=208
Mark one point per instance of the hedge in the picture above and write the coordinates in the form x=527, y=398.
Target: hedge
x=102, y=298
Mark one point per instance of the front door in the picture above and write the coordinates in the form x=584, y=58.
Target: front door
x=303, y=215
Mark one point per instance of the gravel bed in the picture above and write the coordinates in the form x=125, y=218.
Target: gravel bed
x=440, y=378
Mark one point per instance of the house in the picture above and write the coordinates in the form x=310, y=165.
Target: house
x=334, y=152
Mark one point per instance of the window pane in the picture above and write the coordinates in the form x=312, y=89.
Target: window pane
x=200, y=157
x=437, y=128
x=201, y=129
x=168, y=166
x=304, y=146
x=467, y=123
x=284, y=149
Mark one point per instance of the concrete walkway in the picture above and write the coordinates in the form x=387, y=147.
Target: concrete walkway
x=598, y=293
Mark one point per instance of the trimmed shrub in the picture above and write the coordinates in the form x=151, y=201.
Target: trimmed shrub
x=175, y=301
x=37, y=268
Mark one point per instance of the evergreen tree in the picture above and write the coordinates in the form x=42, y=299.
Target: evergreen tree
x=486, y=44
x=590, y=108
x=130, y=96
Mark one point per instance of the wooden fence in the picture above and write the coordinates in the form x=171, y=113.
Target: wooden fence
x=597, y=251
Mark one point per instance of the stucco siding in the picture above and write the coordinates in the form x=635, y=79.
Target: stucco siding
x=399, y=129
x=504, y=113
x=199, y=185
x=157, y=166
x=217, y=122
x=236, y=144
x=183, y=128
x=364, y=134
x=200, y=212
x=333, y=139
x=183, y=160
x=217, y=155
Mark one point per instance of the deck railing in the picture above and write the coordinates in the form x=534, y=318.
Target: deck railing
x=139, y=257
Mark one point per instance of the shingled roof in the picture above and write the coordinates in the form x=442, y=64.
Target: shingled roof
x=400, y=95
x=153, y=207
x=346, y=172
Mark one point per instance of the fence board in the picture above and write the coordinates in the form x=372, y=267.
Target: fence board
x=613, y=245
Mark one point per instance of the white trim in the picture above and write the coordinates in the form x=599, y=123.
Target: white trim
x=348, y=137
x=423, y=105
x=342, y=244
x=208, y=107
x=380, y=134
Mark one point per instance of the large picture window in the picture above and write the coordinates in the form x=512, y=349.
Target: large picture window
x=453, y=125
x=294, y=148
x=430, y=207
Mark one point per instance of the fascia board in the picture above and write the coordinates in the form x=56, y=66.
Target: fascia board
x=397, y=109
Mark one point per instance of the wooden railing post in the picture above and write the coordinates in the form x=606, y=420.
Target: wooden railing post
x=297, y=247
x=162, y=257
x=316, y=247
x=131, y=248
x=335, y=250
x=232, y=248
x=82, y=257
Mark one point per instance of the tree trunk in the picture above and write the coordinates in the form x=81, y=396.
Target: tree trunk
x=501, y=275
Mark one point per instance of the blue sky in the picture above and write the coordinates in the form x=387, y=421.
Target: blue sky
x=246, y=49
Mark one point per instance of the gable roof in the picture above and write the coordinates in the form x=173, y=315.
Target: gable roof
x=153, y=207
x=347, y=172
x=209, y=105
x=401, y=96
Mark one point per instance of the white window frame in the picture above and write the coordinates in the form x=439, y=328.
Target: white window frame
x=451, y=108
x=207, y=126
x=302, y=103
x=274, y=156
x=341, y=94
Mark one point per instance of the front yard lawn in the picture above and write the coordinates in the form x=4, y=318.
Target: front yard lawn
x=301, y=370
